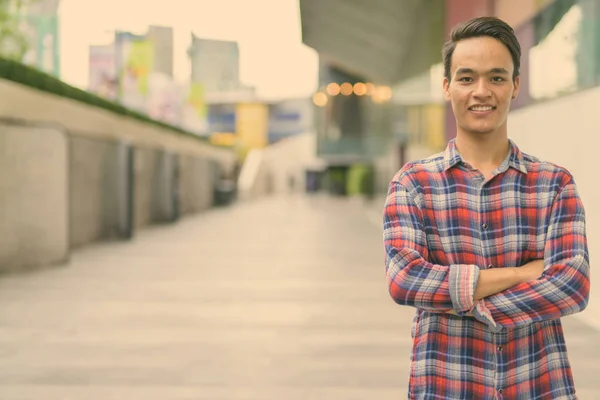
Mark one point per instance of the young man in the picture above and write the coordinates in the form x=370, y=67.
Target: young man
x=486, y=242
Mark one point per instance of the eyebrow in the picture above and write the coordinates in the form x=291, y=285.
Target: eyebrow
x=502, y=71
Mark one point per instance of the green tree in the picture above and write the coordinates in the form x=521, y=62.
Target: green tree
x=13, y=40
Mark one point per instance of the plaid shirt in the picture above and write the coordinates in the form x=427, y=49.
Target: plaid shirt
x=443, y=224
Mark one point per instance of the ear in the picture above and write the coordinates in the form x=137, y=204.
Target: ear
x=517, y=84
x=446, y=85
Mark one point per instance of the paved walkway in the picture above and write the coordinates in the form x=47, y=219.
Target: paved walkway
x=284, y=298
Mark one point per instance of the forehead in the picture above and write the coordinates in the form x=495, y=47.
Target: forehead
x=481, y=53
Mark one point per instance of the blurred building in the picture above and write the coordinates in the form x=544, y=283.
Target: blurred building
x=158, y=47
x=380, y=101
x=39, y=21
x=231, y=109
x=290, y=117
x=102, y=71
x=162, y=39
x=215, y=64
x=255, y=124
x=127, y=69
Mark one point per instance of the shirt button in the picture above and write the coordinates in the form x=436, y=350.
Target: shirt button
x=484, y=225
x=500, y=391
x=490, y=266
x=499, y=348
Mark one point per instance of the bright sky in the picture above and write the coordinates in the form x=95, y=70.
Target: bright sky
x=272, y=56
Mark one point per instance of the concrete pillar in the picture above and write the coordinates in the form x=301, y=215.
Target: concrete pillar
x=34, y=201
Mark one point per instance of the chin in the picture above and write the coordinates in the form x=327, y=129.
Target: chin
x=479, y=130
x=483, y=131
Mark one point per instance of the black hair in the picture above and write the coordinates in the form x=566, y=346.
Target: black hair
x=478, y=27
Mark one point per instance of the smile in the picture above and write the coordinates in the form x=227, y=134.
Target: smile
x=482, y=108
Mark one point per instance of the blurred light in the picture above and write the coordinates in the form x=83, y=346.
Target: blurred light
x=385, y=92
x=382, y=94
x=346, y=89
x=370, y=88
x=333, y=89
x=360, y=89
x=320, y=99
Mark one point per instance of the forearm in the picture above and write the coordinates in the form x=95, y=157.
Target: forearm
x=492, y=281
x=454, y=288
x=563, y=290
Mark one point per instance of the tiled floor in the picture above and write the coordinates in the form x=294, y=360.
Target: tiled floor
x=283, y=298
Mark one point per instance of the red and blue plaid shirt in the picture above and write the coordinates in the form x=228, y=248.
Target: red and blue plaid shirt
x=443, y=223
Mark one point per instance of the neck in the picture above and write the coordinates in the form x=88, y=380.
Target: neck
x=484, y=152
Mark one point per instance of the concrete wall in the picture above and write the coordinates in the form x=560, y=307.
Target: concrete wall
x=34, y=219
x=165, y=186
x=196, y=184
x=145, y=164
x=72, y=174
x=22, y=102
x=289, y=158
x=564, y=131
x=256, y=179
x=270, y=170
x=93, y=172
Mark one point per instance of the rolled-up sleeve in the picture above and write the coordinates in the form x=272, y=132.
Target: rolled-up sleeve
x=463, y=281
x=412, y=280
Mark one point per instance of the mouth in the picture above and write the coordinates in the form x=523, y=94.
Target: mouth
x=482, y=109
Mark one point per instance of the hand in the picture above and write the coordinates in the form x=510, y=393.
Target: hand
x=531, y=271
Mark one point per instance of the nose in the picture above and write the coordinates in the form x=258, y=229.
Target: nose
x=482, y=90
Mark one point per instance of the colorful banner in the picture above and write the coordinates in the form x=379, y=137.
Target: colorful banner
x=196, y=99
x=135, y=61
x=140, y=62
x=165, y=99
x=194, y=110
x=102, y=71
x=42, y=35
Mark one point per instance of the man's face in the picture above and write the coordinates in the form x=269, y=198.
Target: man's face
x=482, y=86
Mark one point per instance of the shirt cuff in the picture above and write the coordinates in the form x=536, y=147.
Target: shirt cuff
x=483, y=314
x=462, y=282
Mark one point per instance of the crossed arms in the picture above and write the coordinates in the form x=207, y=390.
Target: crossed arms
x=541, y=290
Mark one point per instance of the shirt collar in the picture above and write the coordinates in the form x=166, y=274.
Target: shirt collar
x=515, y=157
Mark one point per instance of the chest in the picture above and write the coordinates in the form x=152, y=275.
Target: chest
x=502, y=220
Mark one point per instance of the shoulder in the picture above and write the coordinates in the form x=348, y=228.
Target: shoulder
x=414, y=172
x=547, y=172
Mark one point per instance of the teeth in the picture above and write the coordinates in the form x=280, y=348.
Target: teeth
x=482, y=108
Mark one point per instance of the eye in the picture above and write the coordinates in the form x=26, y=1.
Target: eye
x=465, y=79
x=498, y=79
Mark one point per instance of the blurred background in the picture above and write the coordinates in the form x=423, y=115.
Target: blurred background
x=191, y=191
